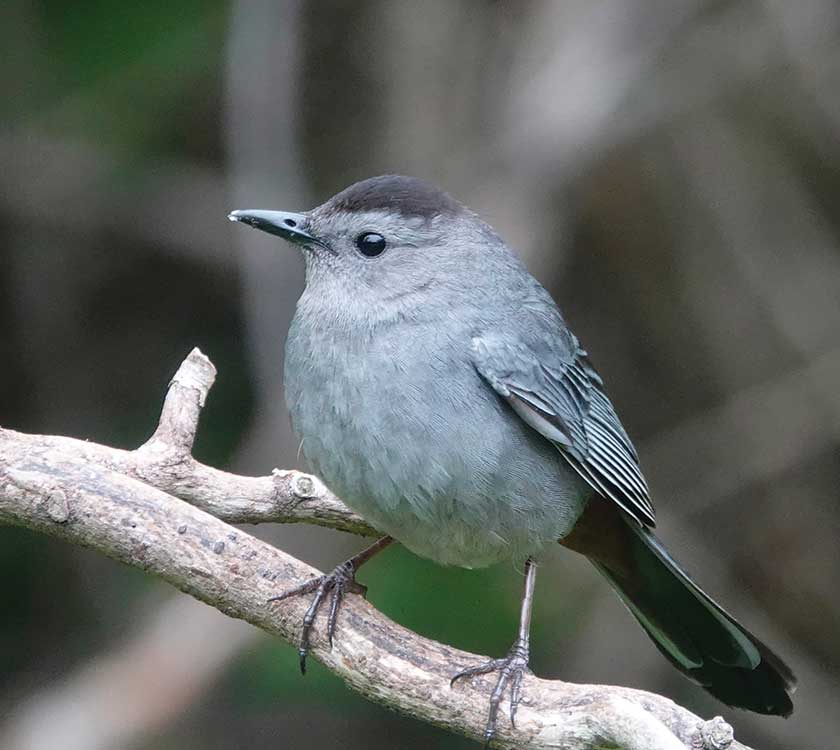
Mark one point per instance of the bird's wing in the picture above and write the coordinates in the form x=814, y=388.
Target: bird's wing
x=560, y=395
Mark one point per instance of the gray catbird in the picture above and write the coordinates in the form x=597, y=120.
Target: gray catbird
x=437, y=390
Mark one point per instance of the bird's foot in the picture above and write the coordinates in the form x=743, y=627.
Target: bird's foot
x=511, y=669
x=334, y=585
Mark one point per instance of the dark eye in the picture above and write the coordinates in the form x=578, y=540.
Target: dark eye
x=370, y=244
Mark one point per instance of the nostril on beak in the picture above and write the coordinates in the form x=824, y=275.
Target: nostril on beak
x=290, y=223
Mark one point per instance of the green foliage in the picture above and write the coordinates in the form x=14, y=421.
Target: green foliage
x=114, y=73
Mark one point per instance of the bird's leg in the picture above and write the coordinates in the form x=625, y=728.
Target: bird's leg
x=511, y=668
x=341, y=580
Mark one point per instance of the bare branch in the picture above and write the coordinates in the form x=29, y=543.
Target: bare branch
x=283, y=497
x=114, y=501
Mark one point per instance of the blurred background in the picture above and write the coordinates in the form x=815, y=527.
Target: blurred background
x=668, y=168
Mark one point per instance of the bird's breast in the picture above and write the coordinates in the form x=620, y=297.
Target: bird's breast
x=381, y=409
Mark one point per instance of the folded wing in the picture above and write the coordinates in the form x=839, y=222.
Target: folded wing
x=559, y=394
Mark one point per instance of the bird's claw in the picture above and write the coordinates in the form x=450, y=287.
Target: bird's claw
x=511, y=669
x=335, y=584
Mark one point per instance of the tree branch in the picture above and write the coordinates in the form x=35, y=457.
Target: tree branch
x=130, y=505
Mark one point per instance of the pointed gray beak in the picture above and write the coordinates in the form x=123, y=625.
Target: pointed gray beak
x=282, y=223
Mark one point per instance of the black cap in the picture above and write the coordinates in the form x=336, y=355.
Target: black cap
x=408, y=196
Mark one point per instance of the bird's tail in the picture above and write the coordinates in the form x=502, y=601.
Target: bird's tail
x=691, y=630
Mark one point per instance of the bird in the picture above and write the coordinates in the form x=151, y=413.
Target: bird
x=437, y=390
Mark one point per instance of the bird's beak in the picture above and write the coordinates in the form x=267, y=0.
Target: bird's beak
x=287, y=225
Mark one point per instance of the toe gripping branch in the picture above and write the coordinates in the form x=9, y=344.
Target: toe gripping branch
x=511, y=669
x=335, y=584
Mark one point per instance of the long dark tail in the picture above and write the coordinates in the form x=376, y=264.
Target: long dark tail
x=691, y=630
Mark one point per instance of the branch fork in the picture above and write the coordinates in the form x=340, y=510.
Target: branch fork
x=158, y=509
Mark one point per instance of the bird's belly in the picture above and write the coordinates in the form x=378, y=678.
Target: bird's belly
x=474, y=521
x=450, y=472
x=459, y=500
x=459, y=541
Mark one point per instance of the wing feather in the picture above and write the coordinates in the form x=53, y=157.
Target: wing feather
x=560, y=395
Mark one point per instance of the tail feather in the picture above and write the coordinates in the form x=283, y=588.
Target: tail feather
x=690, y=629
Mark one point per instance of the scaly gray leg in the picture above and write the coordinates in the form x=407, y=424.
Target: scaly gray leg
x=511, y=668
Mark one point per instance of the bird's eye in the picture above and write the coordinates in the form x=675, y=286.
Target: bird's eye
x=370, y=244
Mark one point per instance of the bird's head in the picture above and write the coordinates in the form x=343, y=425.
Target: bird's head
x=389, y=239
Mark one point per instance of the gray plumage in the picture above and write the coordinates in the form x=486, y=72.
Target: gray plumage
x=384, y=384
x=437, y=389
